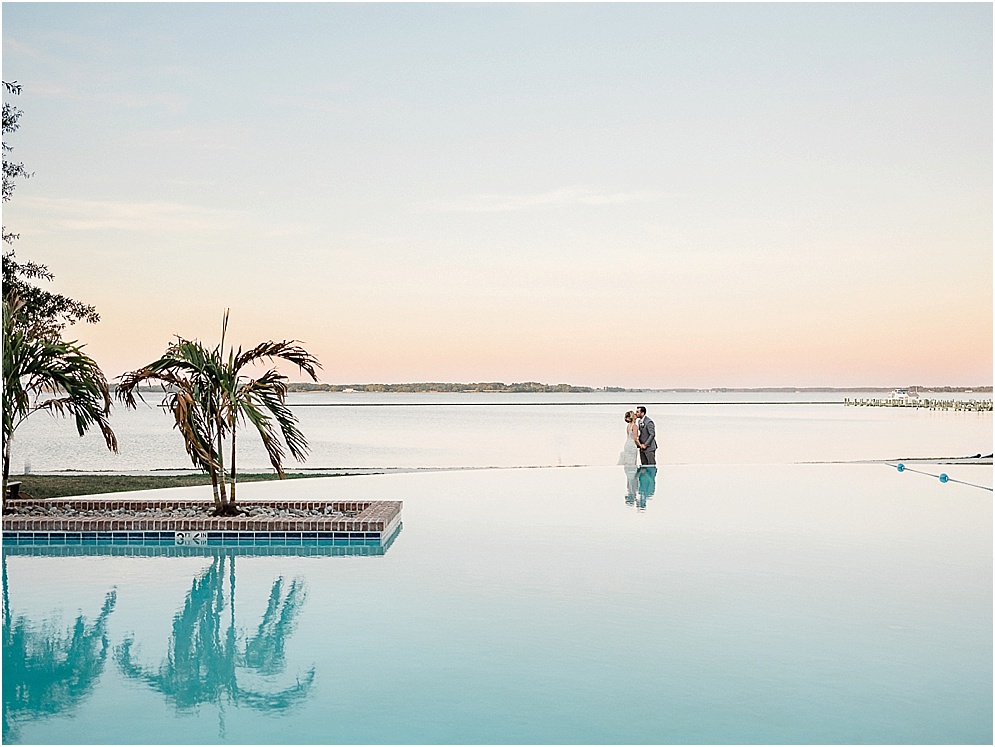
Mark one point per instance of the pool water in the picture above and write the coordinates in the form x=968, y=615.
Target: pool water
x=702, y=604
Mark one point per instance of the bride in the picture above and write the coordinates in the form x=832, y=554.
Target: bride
x=630, y=452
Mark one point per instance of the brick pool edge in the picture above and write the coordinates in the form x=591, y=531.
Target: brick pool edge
x=369, y=516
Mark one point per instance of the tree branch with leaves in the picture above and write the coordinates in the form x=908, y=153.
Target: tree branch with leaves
x=43, y=310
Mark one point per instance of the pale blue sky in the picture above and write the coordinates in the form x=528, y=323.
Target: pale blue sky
x=633, y=195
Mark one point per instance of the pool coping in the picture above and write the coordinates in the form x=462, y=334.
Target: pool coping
x=370, y=522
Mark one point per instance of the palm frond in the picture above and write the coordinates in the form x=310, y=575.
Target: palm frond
x=185, y=373
x=34, y=366
x=263, y=425
x=287, y=350
x=194, y=427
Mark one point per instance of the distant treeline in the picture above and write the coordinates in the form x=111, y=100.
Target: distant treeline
x=488, y=386
x=532, y=386
x=845, y=389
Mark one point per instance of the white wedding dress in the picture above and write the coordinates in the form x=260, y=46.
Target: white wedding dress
x=630, y=453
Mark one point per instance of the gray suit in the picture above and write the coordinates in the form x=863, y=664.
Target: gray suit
x=647, y=437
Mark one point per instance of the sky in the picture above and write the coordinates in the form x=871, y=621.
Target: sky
x=637, y=195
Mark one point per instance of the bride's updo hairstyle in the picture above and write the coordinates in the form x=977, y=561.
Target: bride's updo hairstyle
x=629, y=416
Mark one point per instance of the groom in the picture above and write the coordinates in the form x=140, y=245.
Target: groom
x=647, y=437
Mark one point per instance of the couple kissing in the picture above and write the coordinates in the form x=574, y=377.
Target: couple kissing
x=640, y=440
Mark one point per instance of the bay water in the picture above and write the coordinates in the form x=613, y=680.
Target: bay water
x=367, y=430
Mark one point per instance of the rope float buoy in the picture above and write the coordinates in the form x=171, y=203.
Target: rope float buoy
x=943, y=476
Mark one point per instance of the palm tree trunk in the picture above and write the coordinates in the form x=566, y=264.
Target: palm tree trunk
x=231, y=501
x=221, y=471
x=214, y=487
x=6, y=469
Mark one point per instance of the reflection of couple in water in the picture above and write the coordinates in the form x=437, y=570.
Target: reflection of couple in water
x=640, y=448
x=640, y=484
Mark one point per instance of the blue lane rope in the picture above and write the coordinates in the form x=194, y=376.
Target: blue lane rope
x=943, y=476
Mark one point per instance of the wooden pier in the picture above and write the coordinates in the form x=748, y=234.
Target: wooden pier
x=966, y=405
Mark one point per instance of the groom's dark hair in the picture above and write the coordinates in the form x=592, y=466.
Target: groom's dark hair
x=641, y=409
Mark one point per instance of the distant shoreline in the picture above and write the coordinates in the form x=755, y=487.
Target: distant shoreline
x=532, y=387
x=536, y=388
x=434, y=387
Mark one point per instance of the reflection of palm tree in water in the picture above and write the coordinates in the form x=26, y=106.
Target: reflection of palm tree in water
x=44, y=671
x=265, y=651
x=204, y=660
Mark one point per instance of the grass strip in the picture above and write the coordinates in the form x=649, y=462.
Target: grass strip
x=43, y=487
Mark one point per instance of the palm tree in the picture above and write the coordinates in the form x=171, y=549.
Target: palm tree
x=262, y=401
x=210, y=397
x=190, y=381
x=36, y=363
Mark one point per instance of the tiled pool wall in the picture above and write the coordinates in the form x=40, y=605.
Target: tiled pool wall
x=208, y=543
x=371, y=524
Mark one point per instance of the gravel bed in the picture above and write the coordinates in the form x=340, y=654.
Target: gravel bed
x=183, y=512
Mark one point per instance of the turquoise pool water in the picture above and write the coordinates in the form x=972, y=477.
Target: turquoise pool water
x=717, y=604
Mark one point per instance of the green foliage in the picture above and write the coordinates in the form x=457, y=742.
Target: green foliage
x=43, y=372
x=210, y=396
x=11, y=117
x=42, y=308
x=43, y=487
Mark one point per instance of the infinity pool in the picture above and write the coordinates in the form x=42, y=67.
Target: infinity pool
x=704, y=604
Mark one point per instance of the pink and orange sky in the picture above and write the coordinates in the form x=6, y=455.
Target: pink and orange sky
x=607, y=195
